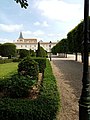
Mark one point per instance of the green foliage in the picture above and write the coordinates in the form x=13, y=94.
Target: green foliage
x=43, y=52
x=8, y=49
x=0, y=49
x=2, y=61
x=41, y=62
x=16, y=60
x=42, y=108
x=23, y=53
x=40, y=51
x=54, y=50
x=60, y=47
x=32, y=53
x=16, y=86
x=23, y=3
x=27, y=66
x=75, y=38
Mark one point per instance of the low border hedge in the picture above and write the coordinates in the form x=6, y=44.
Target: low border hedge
x=6, y=61
x=42, y=108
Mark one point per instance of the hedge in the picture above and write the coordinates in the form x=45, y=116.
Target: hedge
x=28, y=66
x=41, y=62
x=43, y=108
x=5, y=61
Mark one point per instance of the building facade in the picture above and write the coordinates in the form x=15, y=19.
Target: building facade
x=23, y=43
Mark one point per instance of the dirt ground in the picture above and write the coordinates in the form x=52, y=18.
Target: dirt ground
x=69, y=109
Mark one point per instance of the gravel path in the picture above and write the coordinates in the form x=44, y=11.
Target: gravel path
x=68, y=74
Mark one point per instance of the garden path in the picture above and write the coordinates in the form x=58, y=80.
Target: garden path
x=68, y=75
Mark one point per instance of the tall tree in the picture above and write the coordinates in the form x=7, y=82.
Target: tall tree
x=40, y=52
x=8, y=49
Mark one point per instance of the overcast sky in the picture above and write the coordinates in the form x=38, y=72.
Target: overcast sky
x=47, y=20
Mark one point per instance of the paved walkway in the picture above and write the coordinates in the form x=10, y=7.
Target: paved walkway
x=68, y=74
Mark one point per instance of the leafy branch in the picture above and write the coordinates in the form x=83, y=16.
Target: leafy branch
x=23, y=3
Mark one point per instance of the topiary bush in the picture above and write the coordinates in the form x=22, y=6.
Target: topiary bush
x=27, y=66
x=18, y=86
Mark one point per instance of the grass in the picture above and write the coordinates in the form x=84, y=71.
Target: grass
x=8, y=69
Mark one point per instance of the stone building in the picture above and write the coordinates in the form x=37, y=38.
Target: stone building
x=29, y=43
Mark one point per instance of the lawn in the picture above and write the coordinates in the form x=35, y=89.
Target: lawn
x=8, y=69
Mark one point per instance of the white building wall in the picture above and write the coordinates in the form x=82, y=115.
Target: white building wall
x=26, y=45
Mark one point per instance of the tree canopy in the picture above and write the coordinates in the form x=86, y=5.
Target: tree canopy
x=7, y=49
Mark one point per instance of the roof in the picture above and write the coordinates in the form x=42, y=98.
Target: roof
x=21, y=36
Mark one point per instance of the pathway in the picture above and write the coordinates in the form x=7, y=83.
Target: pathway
x=68, y=74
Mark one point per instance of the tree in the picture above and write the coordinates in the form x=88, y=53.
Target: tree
x=23, y=53
x=8, y=49
x=40, y=51
x=75, y=39
x=0, y=48
x=54, y=51
x=23, y=3
x=61, y=47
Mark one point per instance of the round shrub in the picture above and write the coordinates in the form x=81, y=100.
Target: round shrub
x=27, y=66
x=19, y=86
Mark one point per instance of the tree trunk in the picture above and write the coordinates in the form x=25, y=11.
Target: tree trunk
x=76, y=56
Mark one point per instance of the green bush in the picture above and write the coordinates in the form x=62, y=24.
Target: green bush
x=42, y=108
x=5, y=61
x=27, y=66
x=16, y=60
x=41, y=62
x=16, y=86
x=19, y=86
x=3, y=84
x=32, y=53
x=8, y=49
x=23, y=53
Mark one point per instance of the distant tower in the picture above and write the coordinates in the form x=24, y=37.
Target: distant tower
x=21, y=36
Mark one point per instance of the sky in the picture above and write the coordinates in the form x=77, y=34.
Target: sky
x=46, y=20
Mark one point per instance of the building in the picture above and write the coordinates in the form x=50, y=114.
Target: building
x=24, y=43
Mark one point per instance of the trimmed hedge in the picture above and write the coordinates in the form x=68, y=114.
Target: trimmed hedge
x=28, y=66
x=16, y=86
x=42, y=108
x=5, y=61
x=16, y=60
x=41, y=62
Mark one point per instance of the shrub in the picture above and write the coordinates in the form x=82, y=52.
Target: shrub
x=40, y=52
x=32, y=53
x=19, y=86
x=3, y=84
x=41, y=62
x=23, y=53
x=5, y=61
x=16, y=86
x=27, y=66
x=42, y=108
x=16, y=60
